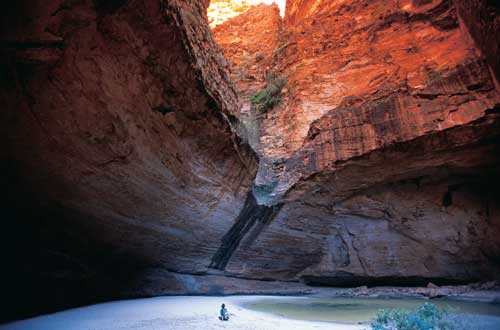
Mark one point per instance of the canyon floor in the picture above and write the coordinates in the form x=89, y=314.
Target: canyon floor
x=193, y=313
x=179, y=313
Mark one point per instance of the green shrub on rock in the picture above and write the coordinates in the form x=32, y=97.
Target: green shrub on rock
x=270, y=96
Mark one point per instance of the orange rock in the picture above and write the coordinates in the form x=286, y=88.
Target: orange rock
x=249, y=42
x=362, y=76
x=388, y=106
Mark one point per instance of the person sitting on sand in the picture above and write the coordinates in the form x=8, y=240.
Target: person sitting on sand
x=224, y=315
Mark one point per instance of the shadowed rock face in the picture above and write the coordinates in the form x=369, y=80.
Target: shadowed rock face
x=249, y=225
x=389, y=111
x=118, y=156
x=128, y=173
x=481, y=20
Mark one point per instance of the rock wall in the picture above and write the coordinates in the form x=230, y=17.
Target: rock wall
x=389, y=72
x=248, y=42
x=300, y=9
x=481, y=20
x=126, y=154
x=382, y=156
x=118, y=155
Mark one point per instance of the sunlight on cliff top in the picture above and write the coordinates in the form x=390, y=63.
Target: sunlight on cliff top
x=222, y=10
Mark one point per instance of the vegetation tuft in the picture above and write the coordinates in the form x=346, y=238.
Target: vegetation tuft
x=426, y=317
x=270, y=96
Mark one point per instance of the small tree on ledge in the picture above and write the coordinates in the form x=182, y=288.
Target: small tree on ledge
x=269, y=96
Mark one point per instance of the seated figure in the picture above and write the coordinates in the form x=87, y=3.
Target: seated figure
x=224, y=315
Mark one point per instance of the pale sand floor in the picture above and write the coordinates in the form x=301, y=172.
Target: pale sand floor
x=169, y=313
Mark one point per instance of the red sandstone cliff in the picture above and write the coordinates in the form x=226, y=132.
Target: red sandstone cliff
x=384, y=143
x=248, y=42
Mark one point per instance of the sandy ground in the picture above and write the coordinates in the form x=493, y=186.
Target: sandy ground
x=169, y=313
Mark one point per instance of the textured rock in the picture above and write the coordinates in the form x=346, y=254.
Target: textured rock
x=481, y=20
x=384, y=150
x=299, y=9
x=249, y=41
x=388, y=73
x=157, y=281
x=398, y=233
x=117, y=151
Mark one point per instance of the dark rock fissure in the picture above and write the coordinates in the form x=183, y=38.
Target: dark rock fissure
x=163, y=109
x=448, y=196
x=251, y=220
x=351, y=280
x=108, y=7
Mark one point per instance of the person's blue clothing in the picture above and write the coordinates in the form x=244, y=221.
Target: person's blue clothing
x=224, y=314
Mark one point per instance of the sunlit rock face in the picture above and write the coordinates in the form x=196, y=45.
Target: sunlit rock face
x=248, y=42
x=388, y=73
x=300, y=9
x=252, y=43
x=383, y=154
x=220, y=11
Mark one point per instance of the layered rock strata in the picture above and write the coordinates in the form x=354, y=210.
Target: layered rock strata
x=118, y=155
x=384, y=149
x=481, y=20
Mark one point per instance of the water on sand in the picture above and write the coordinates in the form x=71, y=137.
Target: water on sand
x=353, y=310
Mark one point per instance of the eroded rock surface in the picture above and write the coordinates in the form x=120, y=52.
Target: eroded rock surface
x=481, y=20
x=390, y=110
x=118, y=154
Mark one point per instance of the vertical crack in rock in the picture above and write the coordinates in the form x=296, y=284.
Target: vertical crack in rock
x=250, y=222
x=339, y=251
